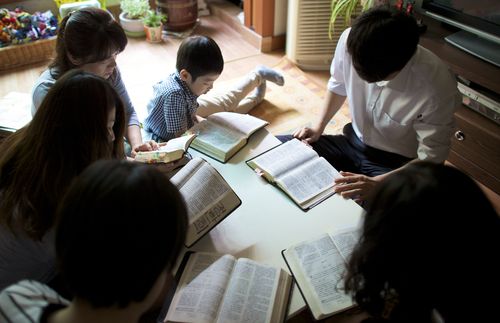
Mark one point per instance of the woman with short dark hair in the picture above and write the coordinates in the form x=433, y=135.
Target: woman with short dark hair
x=90, y=39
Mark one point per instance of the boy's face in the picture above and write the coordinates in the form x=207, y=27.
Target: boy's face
x=202, y=84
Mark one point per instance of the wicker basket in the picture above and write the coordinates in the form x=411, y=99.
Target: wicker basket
x=25, y=54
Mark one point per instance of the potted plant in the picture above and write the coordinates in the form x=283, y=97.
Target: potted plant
x=153, y=25
x=133, y=11
x=349, y=9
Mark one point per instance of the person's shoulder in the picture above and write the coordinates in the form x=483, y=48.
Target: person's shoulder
x=32, y=289
x=428, y=62
x=47, y=77
x=432, y=71
x=171, y=86
x=26, y=300
x=343, y=38
x=42, y=85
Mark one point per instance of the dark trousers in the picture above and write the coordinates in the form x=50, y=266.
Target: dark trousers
x=347, y=153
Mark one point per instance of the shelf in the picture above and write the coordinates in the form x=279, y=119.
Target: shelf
x=477, y=152
x=460, y=62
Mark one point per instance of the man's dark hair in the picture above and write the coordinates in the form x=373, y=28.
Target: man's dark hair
x=199, y=55
x=120, y=226
x=381, y=42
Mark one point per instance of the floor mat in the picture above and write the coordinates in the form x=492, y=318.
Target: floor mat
x=296, y=104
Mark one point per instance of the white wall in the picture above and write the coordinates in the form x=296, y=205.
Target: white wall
x=280, y=17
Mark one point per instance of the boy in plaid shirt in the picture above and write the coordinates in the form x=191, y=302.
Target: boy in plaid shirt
x=179, y=98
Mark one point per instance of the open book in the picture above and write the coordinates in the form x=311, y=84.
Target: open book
x=298, y=170
x=221, y=288
x=209, y=198
x=318, y=266
x=14, y=112
x=173, y=150
x=223, y=134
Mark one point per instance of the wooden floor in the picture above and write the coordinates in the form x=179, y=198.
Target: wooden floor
x=143, y=64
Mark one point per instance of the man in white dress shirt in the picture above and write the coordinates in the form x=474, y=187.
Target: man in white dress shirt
x=402, y=100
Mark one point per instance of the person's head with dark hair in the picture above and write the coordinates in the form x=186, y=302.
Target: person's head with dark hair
x=381, y=42
x=429, y=242
x=112, y=254
x=89, y=39
x=199, y=63
x=81, y=120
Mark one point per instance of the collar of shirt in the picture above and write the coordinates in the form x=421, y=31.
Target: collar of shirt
x=400, y=81
x=184, y=86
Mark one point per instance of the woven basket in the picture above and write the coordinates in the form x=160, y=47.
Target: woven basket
x=25, y=54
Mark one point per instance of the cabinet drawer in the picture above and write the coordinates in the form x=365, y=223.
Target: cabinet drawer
x=475, y=147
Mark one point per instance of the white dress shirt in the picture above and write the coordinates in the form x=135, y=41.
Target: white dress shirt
x=411, y=115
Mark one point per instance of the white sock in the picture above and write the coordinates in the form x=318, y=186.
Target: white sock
x=269, y=74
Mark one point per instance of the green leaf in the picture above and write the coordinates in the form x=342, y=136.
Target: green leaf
x=340, y=8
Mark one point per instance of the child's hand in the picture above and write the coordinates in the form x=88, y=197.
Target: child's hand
x=145, y=146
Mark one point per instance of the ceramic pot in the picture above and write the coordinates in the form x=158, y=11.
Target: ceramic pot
x=132, y=27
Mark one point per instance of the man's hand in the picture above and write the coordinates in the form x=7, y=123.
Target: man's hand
x=309, y=135
x=145, y=146
x=355, y=186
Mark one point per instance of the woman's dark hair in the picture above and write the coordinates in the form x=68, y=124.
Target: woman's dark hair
x=429, y=241
x=381, y=42
x=199, y=55
x=68, y=133
x=121, y=225
x=89, y=35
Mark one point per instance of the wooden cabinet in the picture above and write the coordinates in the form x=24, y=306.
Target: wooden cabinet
x=475, y=145
x=475, y=148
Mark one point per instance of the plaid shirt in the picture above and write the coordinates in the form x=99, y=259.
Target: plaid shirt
x=171, y=110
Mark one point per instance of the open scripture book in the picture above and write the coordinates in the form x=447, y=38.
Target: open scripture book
x=221, y=288
x=318, y=266
x=209, y=198
x=298, y=170
x=173, y=150
x=223, y=134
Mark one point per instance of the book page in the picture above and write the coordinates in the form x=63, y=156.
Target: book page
x=250, y=293
x=284, y=157
x=201, y=288
x=15, y=110
x=180, y=143
x=182, y=176
x=345, y=240
x=318, y=268
x=173, y=150
x=308, y=180
x=213, y=138
x=242, y=123
x=208, y=197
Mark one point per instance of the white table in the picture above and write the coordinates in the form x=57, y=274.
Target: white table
x=268, y=221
